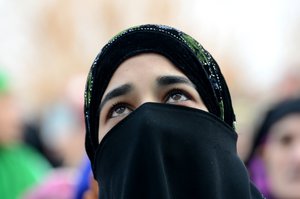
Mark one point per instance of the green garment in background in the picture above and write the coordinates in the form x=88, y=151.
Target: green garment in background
x=20, y=168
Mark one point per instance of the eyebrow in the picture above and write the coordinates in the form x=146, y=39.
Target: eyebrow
x=161, y=81
x=120, y=90
x=168, y=80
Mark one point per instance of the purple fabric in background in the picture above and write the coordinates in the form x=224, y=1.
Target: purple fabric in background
x=258, y=175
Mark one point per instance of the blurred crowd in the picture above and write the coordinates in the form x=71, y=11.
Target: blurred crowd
x=45, y=158
x=42, y=152
x=41, y=158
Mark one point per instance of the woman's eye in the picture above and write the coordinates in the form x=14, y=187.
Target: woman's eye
x=119, y=111
x=286, y=140
x=177, y=96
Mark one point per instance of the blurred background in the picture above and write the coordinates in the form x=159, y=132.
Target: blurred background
x=47, y=48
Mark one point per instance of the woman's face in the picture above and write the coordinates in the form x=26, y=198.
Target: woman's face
x=282, y=158
x=144, y=78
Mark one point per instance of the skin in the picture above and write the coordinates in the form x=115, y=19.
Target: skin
x=281, y=155
x=93, y=191
x=145, y=78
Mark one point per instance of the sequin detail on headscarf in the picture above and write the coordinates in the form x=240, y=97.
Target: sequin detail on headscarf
x=205, y=59
x=89, y=89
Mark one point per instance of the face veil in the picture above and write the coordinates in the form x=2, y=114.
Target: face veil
x=167, y=151
x=200, y=67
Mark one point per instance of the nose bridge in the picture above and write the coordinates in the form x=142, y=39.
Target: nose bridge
x=148, y=97
x=147, y=90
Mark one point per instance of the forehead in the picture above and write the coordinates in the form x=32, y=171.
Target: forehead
x=143, y=66
x=289, y=124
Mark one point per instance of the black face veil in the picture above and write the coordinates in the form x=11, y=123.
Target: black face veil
x=148, y=158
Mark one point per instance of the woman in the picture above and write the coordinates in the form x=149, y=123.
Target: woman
x=159, y=120
x=274, y=162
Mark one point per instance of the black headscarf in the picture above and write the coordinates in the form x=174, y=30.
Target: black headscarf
x=164, y=151
x=185, y=52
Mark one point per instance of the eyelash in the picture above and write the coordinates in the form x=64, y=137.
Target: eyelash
x=115, y=106
x=174, y=91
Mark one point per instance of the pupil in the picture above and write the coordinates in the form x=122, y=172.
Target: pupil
x=120, y=110
x=176, y=97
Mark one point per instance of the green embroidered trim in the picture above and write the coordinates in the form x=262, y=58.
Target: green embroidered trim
x=195, y=47
x=221, y=105
x=122, y=33
x=204, y=59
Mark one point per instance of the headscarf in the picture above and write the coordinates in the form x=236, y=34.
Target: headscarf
x=181, y=49
x=254, y=163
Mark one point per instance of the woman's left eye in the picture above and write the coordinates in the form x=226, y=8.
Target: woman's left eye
x=119, y=110
x=176, y=96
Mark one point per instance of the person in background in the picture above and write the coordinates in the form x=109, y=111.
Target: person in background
x=274, y=160
x=63, y=134
x=159, y=120
x=21, y=167
x=62, y=123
